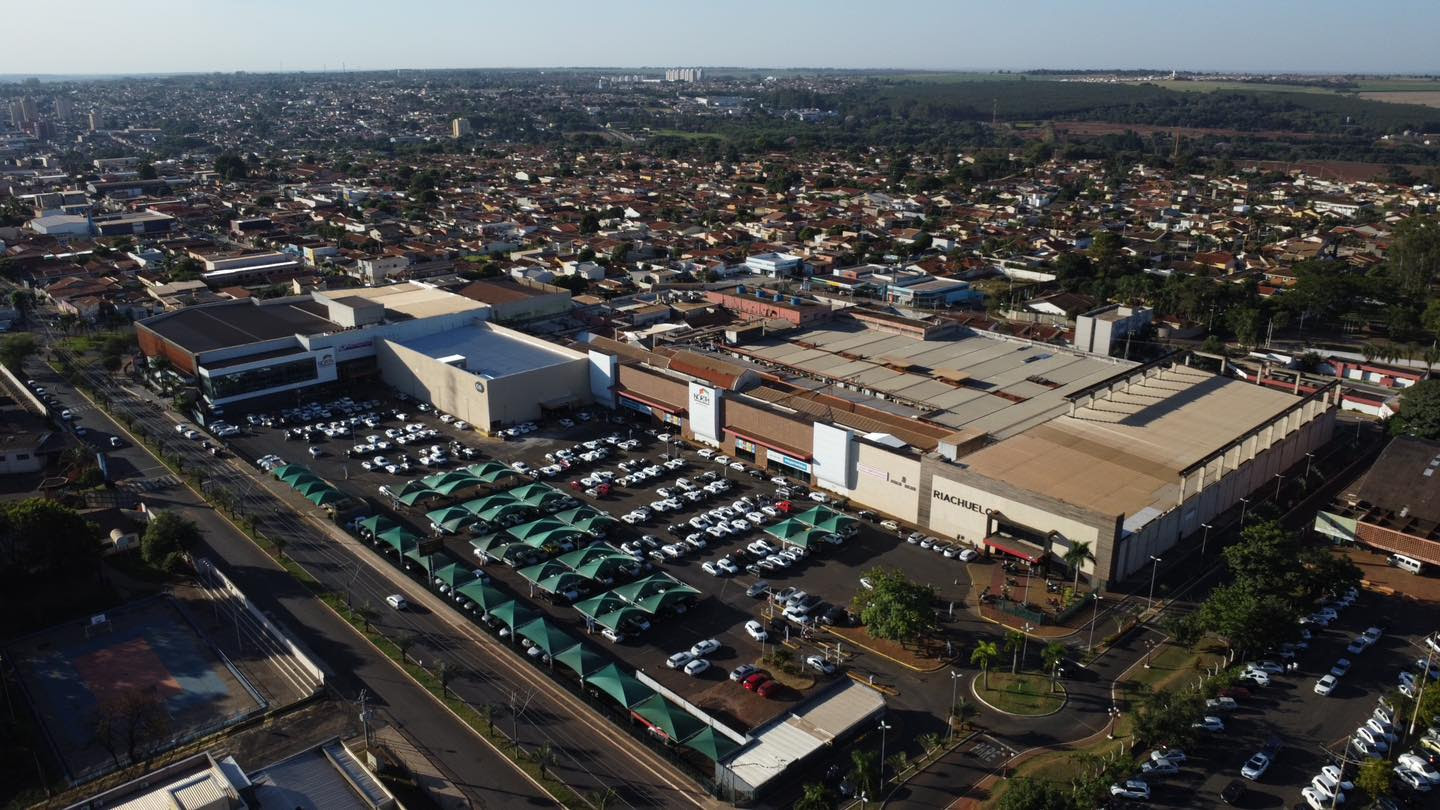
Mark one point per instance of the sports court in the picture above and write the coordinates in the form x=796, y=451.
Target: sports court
x=141, y=648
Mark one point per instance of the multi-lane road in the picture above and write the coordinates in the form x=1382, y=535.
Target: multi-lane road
x=590, y=754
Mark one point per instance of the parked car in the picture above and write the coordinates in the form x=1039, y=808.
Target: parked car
x=1255, y=767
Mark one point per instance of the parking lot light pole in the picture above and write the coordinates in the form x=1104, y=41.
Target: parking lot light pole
x=1279, y=479
x=1309, y=457
x=1205, y=539
x=1025, y=643
x=950, y=728
x=1093, y=617
x=1154, y=569
x=1114, y=715
x=884, y=727
x=1244, y=505
x=1424, y=680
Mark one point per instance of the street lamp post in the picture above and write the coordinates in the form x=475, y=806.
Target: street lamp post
x=1309, y=457
x=1244, y=505
x=1025, y=643
x=954, y=679
x=1149, y=649
x=884, y=727
x=1279, y=479
x=1114, y=713
x=1093, y=617
x=1154, y=569
x=1205, y=539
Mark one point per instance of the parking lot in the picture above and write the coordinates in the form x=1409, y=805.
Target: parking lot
x=1312, y=729
x=830, y=572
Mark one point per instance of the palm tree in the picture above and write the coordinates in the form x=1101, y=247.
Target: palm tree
x=864, y=772
x=985, y=654
x=1014, y=639
x=1076, y=557
x=815, y=797
x=1052, y=655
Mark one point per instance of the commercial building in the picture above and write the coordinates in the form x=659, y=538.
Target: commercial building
x=774, y=265
x=459, y=127
x=1101, y=330
x=1395, y=506
x=1019, y=448
x=511, y=301
x=761, y=304
x=327, y=776
x=253, y=354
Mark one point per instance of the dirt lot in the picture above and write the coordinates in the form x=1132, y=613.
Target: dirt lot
x=1428, y=98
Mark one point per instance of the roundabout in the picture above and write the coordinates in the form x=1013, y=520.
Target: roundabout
x=1025, y=694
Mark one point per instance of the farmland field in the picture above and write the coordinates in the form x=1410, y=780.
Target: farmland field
x=1427, y=98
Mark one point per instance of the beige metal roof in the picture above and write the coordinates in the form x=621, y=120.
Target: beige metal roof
x=1121, y=455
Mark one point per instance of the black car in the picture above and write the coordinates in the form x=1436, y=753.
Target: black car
x=835, y=616
x=1233, y=793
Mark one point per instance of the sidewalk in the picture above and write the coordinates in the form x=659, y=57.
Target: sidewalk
x=428, y=777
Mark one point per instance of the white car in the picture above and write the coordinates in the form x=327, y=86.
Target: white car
x=1255, y=767
x=1175, y=755
x=756, y=630
x=1137, y=789
x=1210, y=723
x=1258, y=677
x=1266, y=666
x=819, y=663
x=710, y=569
x=727, y=565
x=1314, y=798
x=1420, y=766
x=1331, y=775
x=694, y=668
x=1326, y=791
x=968, y=554
x=705, y=452
x=1159, y=767
x=704, y=648
x=819, y=497
x=1341, y=667
x=1222, y=704
x=679, y=659
x=1326, y=685
x=1374, y=740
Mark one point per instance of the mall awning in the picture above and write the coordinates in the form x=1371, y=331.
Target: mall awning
x=798, y=455
x=1029, y=552
x=656, y=404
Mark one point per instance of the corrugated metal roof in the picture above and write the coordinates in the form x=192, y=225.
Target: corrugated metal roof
x=790, y=739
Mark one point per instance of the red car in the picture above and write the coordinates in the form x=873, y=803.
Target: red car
x=1236, y=692
x=575, y=485
x=768, y=688
x=784, y=507
x=755, y=681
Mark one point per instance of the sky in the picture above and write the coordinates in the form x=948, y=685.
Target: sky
x=165, y=36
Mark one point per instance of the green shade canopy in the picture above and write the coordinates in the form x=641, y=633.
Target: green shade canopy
x=583, y=514
x=450, y=518
x=583, y=659
x=326, y=497
x=310, y=485
x=304, y=479
x=452, y=482
x=527, y=530
x=624, y=688
x=399, y=538
x=455, y=574
x=375, y=524
x=546, y=636
x=606, y=566
x=413, y=485
x=608, y=610
x=478, y=505
x=678, y=724
x=486, y=597
x=491, y=471
x=418, y=495
x=786, y=529
x=544, y=570
x=287, y=472
x=430, y=563
x=514, y=613
x=581, y=556
x=656, y=602
x=827, y=519
x=713, y=744
x=499, y=511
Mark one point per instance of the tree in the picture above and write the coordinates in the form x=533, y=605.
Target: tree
x=146, y=171
x=1076, y=556
x=863, y=772
x=1014, y=640
x=166, y=539
x=896, y=608
x=1027, y=793
x=231, y=166
x=1419, y=414
x=403, y=643
x=544, y=756
x=445, y=673
x=984, y=655
x=1374, y=778
x=367, y=615
x=134, y=721
x=39, y=535
x=1165, y=718
x=15, y=349
x=1245, y=323
x=1413, y=258
x=816, y=797
x=1053, y=655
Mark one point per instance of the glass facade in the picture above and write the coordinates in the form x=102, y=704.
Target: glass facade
x=239, y=383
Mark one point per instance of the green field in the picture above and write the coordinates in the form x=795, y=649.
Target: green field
x=680, y=133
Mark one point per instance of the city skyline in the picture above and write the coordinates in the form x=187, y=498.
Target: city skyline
x=1285, y=36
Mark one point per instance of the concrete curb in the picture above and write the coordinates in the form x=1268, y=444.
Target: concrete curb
x=976, y=693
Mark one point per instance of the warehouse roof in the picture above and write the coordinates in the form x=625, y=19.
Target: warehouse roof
x=974, y=381
x=1403, y=481
x=237, y=323
x=1123, y=454
x=492, y=351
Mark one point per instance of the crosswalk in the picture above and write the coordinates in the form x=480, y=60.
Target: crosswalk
x=151, y=484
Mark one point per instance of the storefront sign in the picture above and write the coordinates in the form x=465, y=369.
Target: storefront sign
x=626, y=402
x=705, y=412
x=960, y=502
x=744, y=444
x=791, y=462
x=873, y=472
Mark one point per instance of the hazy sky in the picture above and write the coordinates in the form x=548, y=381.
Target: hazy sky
x=90, y=36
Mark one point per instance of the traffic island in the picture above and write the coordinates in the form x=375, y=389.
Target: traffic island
x=1023, y=694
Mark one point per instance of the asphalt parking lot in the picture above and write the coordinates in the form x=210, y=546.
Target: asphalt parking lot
x=1312, y=728
x=832, y=573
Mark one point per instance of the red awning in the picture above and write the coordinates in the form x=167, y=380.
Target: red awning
x=1015, y=548
x=659, y=406
x=798, y=455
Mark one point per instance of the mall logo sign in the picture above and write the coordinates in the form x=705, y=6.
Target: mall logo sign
x=700, y=396
x=960, y=502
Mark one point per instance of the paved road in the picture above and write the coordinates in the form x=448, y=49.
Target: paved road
x=351, y=663
x=591, y=755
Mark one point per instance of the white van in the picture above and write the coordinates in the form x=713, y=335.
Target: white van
x=1404, y=563
x=396, y=601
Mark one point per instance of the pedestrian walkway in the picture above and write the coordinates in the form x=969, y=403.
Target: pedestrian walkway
x=427, y=774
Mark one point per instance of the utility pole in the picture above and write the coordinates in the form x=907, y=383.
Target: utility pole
x=365, y=716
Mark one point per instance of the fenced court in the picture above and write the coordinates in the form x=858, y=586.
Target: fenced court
x=141, y=660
